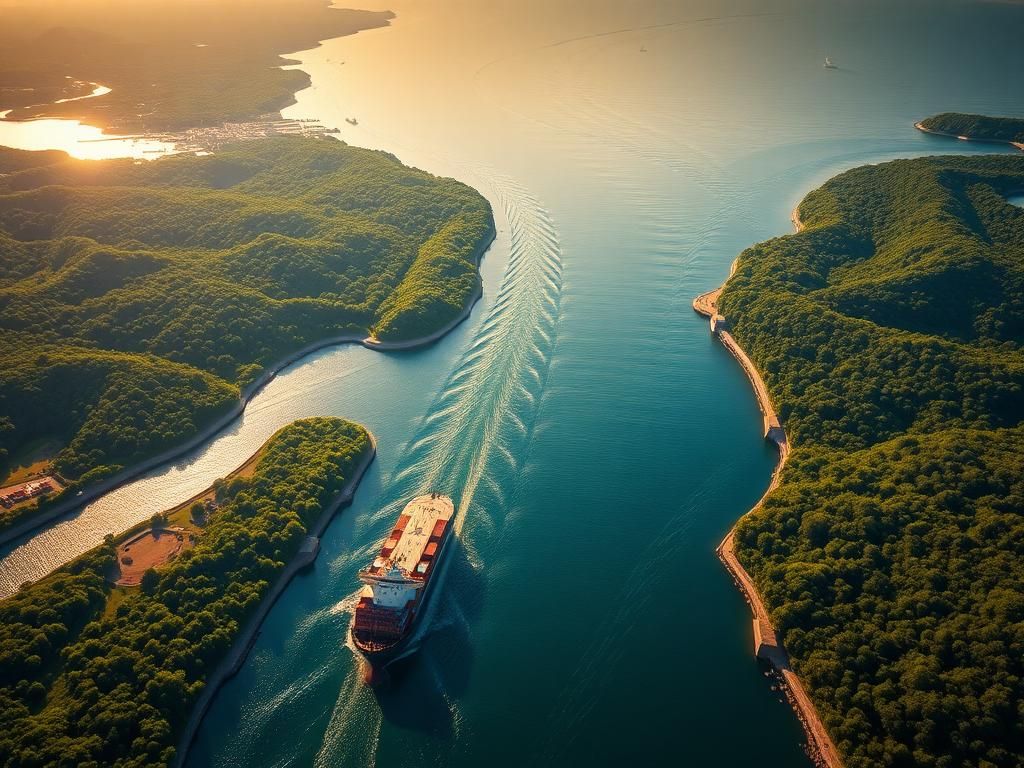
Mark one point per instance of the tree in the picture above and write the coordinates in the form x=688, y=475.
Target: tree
x=150, y=581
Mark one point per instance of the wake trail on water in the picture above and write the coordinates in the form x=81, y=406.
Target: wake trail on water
x=483, y=416
x=472, y=439
x=342, y=743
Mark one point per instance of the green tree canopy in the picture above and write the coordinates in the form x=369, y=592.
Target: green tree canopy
x=136, y=299
x=889, y=332
x=82, y=685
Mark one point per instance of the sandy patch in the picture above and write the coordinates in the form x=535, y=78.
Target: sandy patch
x=149, y=549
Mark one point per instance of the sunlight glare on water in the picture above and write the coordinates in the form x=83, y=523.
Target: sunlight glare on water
x=85, y=142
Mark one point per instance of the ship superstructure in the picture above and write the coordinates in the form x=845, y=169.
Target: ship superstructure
x=397, y=584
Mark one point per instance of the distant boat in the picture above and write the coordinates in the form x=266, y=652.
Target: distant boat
x=829, y=64
x=643, y=49
x=351, y=121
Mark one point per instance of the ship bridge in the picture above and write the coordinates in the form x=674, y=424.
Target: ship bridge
x=391, y=589
x=405, y=559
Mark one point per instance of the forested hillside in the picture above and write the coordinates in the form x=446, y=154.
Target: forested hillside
x=87, y=683
x=977, y=126
x=137, y=298
x=890, y=334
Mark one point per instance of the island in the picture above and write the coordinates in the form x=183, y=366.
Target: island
x=1003, y=130
x=889, y=333
x=144, y=303
x=141, y=67
x=100, y=669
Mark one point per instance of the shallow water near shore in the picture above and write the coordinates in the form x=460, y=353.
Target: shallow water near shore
x=598, y=442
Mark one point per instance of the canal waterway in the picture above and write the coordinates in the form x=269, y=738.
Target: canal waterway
x=598, y=442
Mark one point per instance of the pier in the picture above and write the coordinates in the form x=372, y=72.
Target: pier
x=767, y=645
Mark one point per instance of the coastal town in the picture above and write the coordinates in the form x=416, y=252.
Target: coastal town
x=213, y=138
x=208, y=139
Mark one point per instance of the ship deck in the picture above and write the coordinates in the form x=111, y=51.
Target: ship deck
x=423, y=513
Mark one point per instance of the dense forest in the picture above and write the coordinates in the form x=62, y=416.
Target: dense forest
x=137, y=298
x=171, y=65
x=977, y=126
x=87, y=681
x=889, y=332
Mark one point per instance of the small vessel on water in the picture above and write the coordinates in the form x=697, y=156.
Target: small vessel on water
x=397, y=585
x=351, y=121
x=829, y=64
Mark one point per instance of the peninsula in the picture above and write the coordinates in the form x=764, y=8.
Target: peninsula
x=97, y=670
x=162, y=66
x=1001, y=130
x=143, y=304
x=888, y=559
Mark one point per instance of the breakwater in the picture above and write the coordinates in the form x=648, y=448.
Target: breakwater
x=767, y=644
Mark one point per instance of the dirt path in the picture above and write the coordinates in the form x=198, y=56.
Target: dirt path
x=149, y=549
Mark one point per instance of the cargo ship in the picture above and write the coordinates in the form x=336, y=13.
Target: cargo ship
x=397, y=585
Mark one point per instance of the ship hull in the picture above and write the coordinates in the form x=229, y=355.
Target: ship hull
x=380, y=656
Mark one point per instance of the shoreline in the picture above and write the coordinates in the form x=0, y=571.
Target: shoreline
x=478, y=292
x=920, y=127
x=248, y=392
x=794, y=217
x=248, y=634
x=821, y=749
x=107, y=127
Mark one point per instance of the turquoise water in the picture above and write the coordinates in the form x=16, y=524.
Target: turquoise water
x=598, y=442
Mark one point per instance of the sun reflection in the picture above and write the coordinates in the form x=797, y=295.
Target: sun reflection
x=85, y=142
